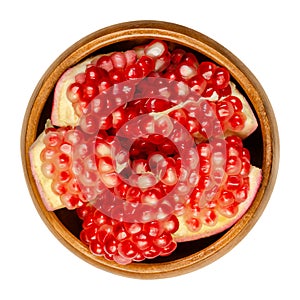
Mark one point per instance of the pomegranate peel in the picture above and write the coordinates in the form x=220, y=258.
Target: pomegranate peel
x=183, y=234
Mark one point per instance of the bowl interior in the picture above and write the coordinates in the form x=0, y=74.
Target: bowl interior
x=189, y=255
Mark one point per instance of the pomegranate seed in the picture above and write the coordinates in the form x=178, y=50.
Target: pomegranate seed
x=236, y=102
x=186, y=70
x=177, y=55
x=118, y=60
x=105, y=63
x=206, y=70
x=208, y=217
x=75, y=92
x=220, y=78
x=237, y=121
x=156, y=49
x=48, y=169
x=197, y=84
x=193, y=224
x=90, y=91
x=92, y=73
x=156, y=105
x=131, y=57
x=224, y=110
x=116, y=75
x=147, y=64
x=162, y=62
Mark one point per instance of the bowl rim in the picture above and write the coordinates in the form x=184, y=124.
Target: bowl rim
x=199, y=42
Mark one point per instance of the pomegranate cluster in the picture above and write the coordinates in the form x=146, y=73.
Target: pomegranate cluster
x=152, y=153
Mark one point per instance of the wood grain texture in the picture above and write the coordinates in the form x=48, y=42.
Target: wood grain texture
x=123, y=36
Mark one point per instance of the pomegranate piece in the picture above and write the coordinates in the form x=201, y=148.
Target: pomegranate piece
x=126, y=242
x=147, y=148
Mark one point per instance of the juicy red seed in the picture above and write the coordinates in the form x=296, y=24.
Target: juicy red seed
x=193, y=125
x=156, y=49
x=167, y=147
x=156, y=139
x=226, y=198
x=197, y=84
x=193, y=224
x=133, y=72
x=225, y=92
x=171, y=225
x=224, y=110
x=151, y=252
x=103, y=232
x=153, y=228
x=234, y=182
x=104, y=83
x=118, y=60
x=64, y=176
x=237, y=121
x=177, y=55
x=92, y=73
x=52, y=139
x=229, y=211
x=58, y=188
x=186, y=71
x=207, y=69
x=142, y=240
x=127, y=249
x=157, y=105
x=208, y=217
x=234, y=141
x=179, y=115
x=89, y=123
x=163, y=240
x=169, y=249
x=190, y=59
x=96, y=248
x=130, y=56
x=147, y=64
x=133, y=194
x=48, y=169
x=110, y=245
x=62, y=161
x=105, y=63
x=208, y=92
x=236, y=102
x=90, y=91
x=220, y=78
x=162, y=63
x=75, y=92
x=133, y=228
x=116, y=75
x=172, y=75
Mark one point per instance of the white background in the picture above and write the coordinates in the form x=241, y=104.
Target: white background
x=264, y=35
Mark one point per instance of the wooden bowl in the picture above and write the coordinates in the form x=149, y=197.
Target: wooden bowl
x=263, y=145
